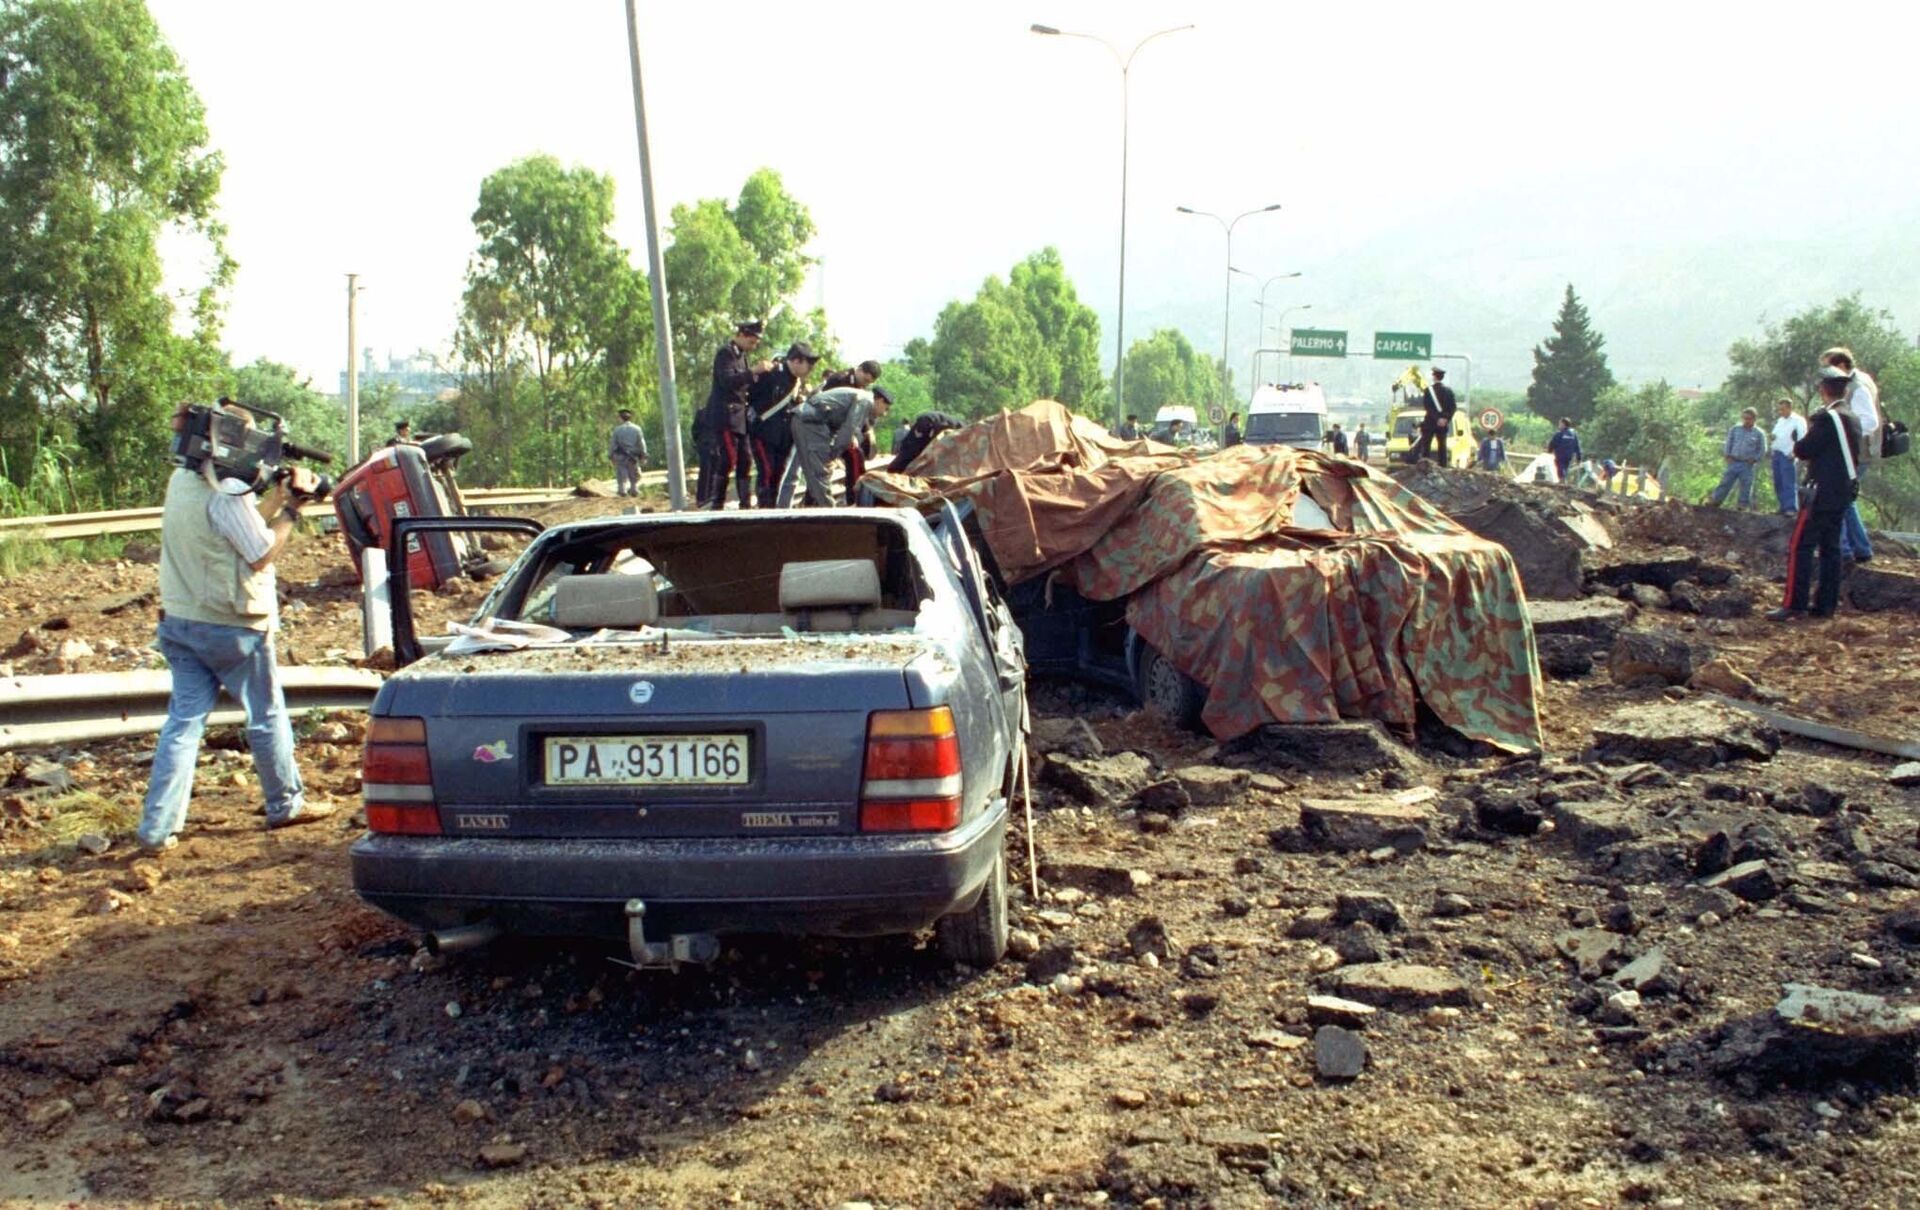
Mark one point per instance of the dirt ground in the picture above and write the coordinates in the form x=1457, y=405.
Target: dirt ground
x=229, y=1025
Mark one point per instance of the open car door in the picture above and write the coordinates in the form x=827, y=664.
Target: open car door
x=995, y=619
x=451, y=601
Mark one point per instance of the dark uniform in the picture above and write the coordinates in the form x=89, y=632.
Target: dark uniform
x=824, y=428
x=1231, y=436
x=1339, y=439
x=853, y=463
x=920, y=434
x=1833, y=481
x=1441, y=406
x=774, y=396
x=725, y=417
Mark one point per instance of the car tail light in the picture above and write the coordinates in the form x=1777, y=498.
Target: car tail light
x=912, y=780
x=396, y=779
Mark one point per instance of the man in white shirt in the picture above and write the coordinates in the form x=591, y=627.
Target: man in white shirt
x=219, y=609
x=1863, y=400
x=1788, y=427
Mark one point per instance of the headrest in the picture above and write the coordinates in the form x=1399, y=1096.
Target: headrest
x=830, y=584
x=615, y=602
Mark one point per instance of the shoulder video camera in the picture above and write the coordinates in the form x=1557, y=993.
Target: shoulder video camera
x=252, y=448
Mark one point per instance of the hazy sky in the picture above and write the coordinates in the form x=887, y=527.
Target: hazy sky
x=938, y=143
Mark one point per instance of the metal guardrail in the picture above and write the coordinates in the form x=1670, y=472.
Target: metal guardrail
x=82, y=706
x=145, y=520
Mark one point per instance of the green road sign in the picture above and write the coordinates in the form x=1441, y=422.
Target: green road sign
x=1403, y=346
x=1318, y=342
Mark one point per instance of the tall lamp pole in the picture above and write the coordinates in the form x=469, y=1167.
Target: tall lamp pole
x=1280, y=330
x=1262, y=303
x=1226, y=303
x=1120, y=311
x=657, y=279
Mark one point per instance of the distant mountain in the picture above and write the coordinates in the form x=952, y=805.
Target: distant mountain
x=1669, y=297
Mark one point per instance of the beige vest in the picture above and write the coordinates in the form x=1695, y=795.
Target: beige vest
x=202, y=577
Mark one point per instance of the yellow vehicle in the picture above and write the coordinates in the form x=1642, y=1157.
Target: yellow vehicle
x=1405, y=433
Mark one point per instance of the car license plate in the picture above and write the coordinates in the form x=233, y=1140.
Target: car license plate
x=647, y=760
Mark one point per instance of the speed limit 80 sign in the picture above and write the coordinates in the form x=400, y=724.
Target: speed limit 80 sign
x=1490, y=419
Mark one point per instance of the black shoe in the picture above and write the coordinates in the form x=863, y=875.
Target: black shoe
x=1784, y=614
x=1819, y=614
x=1861, y=559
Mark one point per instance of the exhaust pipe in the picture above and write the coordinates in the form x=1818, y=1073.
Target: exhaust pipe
x=463, y=937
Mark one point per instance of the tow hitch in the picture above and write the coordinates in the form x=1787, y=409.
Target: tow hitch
x=700, y=948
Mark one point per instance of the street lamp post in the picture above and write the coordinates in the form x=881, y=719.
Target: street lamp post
x=1262, y=303
x=1280, y=332
x=1120, y=311
x=1226, y=304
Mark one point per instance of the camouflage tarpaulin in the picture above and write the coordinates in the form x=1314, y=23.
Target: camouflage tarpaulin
x=1045, y=484
x=1373, y=602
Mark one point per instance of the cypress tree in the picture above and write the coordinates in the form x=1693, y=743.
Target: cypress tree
x=1570, y=369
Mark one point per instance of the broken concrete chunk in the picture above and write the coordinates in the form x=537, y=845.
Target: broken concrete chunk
x=1335, y=1010
x=1662, y=568
x=1693, y=734
x=1400, y=985
x=1907, y=775
x=1367, y=907
x=1339, y=1054
x=1647, y=973
x=1163, y=797
x=1646, y=596
x=1348, y=747
x=1364, y=824
x=1595, y=619
x=1594, y=952
x=1213, y=785
x=1816, y=1035
x=1564, y=657
x=1097, y=781
x=1592, y=826
x=1067, y=736
x=1754, y=881
x=1659, y=656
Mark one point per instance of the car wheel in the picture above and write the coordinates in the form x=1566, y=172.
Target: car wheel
x=446, y=445
x=1167, y=691
x=978, y=936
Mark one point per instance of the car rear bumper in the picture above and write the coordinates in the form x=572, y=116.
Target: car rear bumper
x=846, y=886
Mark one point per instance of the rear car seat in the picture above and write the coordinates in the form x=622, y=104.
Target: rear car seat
x=837, y=595
x=605, y=602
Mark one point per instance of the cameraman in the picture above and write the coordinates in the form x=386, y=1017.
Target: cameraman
x=219, y=609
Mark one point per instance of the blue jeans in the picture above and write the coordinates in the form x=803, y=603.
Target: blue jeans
x=1854, y=543
x=204, y=657
x=1785, y=492
x=1740, y=473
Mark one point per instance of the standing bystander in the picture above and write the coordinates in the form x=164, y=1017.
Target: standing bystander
x=1744, y=447
x=1863, y=400
x=1564, y=445
x=627, y=449
x=1788, y=427
x=219, y=607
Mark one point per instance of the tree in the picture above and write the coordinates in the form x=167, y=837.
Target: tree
x=1570, y=370
x=1651, y=427
x=726, y=263
x=315, y=420
x=551, y=323
x=1015, y=341
x=103, y=154
x=1785, y=359
x=1787, y=356
x=1165, y=368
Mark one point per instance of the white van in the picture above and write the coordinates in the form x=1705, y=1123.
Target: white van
x=1292, y=414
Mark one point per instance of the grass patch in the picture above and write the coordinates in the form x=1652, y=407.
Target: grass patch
x=77, y=812
x=19, y=555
